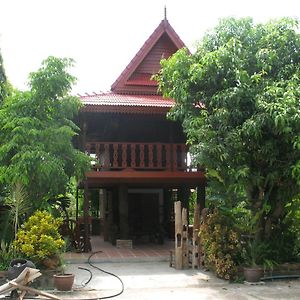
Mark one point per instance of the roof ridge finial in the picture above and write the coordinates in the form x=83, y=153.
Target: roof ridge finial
x=165, y=13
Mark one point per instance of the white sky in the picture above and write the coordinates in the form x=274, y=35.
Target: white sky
x=103, y=36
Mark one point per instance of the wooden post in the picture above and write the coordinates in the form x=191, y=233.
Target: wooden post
x=196, y=238
x=201, y=196
x=185, y=240
x=133, y=156
x=77, y=204
x=105, y=215
x=184, y=195
x=123, y=211
x=178, y=236
x=86, y=205
x=110, y=218
x=83, y=127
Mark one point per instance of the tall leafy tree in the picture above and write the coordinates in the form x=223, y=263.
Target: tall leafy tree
x=238, y=98
x=36, y=132
x=3, y=81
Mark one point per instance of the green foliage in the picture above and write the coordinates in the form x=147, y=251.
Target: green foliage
x=7, y=254
x=19, y=206
x=238, y=100
x=286, y=238
x=192, y=205
x=36, y=132
x=3, y=81
x=221, y=242
x=39, y=237
x=255, y=253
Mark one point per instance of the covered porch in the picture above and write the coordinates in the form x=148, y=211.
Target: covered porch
x=106, y=252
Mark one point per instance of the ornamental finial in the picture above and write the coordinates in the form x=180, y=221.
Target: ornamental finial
x=165, y=12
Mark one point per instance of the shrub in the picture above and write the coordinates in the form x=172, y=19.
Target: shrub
x=6, y=255
x=222, y=244
x=39, y=237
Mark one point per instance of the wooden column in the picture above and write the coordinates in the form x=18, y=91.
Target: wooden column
x=77, y=204
x=201, y=196
x=161, y=215
x=84, y=128
x=111, y=195
x=105, y=215
x=178, y=236
x=196, y=238
x=86, y=206
x=184, y=196
x=171, y=141
x=185, y=240
x=123, y=211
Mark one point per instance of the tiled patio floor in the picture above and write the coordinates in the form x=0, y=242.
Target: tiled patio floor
x=106, y=252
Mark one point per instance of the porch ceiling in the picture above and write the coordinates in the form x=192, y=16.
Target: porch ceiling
x=149, y=178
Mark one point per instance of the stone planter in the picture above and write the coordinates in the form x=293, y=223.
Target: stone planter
x=63, y=282
x=253, y=274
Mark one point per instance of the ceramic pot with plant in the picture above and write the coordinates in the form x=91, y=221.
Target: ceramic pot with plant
x=63, y=281
x=254, y=253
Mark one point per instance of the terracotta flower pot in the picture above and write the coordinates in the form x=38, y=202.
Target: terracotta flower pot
x=63, y=282
x=253, y=274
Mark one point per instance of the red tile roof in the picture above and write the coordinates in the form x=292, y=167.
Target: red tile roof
x=122, y=103
x=134, y=91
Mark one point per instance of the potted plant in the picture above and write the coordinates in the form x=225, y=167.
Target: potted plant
x=39, y=240
x=254, y=254
x=63, y=281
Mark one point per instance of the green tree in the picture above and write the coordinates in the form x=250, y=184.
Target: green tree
x=238, y=98
x=36, y=132
x=3, y=81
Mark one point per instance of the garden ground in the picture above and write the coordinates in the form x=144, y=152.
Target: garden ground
x=146, y=275
x=156, y=280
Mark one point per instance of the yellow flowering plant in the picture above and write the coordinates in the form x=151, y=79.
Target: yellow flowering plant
x=39, y=238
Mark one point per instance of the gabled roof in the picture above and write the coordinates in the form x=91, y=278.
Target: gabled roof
x=136, y=77
x=125, y=103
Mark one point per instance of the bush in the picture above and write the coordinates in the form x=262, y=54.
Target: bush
x=222, y=244
x=6, y=255
x=39, y=237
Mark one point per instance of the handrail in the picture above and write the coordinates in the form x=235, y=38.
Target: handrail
x=137, y=156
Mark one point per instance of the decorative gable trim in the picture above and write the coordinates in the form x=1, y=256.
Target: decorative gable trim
x=124, y=83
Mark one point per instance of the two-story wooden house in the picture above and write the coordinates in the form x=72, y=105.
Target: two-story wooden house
x=140, y=157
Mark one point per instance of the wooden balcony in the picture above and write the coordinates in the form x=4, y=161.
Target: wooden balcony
x=118, y=156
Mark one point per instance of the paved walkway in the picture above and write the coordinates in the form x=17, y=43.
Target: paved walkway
x=146, y=275
x=106, y=252
x=156, y=280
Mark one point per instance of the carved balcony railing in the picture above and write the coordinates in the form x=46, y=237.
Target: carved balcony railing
x=138, y=156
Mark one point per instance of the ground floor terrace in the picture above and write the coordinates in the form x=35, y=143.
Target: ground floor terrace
x=104, y=251
x=138, y=210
